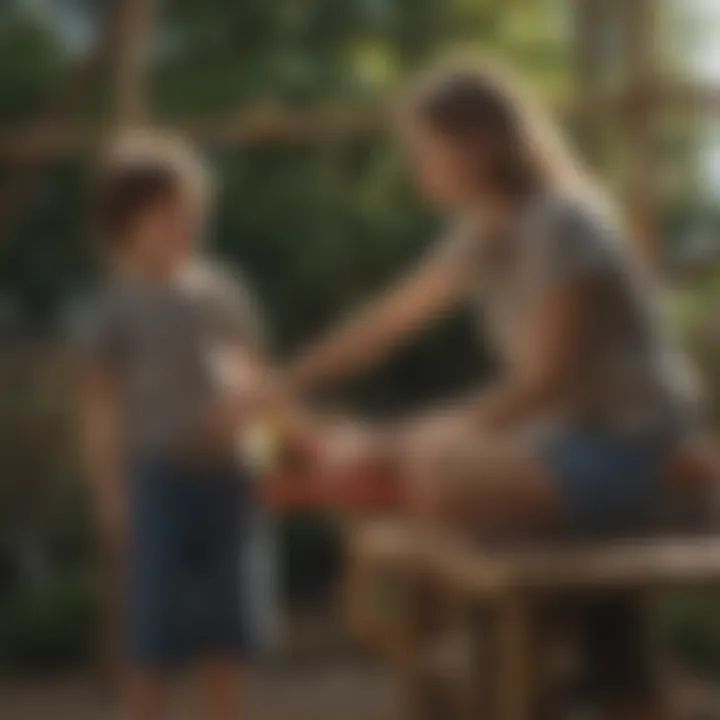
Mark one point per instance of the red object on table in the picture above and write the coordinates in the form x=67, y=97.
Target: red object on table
x=366, y=490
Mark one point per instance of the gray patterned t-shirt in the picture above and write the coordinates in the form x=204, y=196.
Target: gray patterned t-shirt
x=160, y=339
x=633, y=374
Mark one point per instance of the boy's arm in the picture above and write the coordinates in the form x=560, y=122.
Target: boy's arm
x=257, y=399
x=267, y=403
x=101, y=449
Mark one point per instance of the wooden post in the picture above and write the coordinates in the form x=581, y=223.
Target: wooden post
x=588, y=30
x=516, y=685
x=130, y=63
x=642, y=190
x=129, y=54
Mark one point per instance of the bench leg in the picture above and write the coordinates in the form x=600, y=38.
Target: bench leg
x=410, y=642
x=516, y=669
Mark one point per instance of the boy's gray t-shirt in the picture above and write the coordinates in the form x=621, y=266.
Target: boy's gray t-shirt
x=633, y=375
x=160, y=340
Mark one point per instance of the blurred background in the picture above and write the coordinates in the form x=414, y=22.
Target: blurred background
x=290, y=101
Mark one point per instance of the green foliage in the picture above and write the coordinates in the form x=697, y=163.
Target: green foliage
x=312, y=560
x=50, y=626
x=317, y=229
x=30, y=62
x=691, y=623
x=217, y=55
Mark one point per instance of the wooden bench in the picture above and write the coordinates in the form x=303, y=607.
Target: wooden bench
x=439, y=583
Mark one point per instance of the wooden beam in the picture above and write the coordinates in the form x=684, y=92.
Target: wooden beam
x=129, y=68
x=63, y=104
x=131, y=60
x=642, y=191
x=276, y=124
x=255, y=125
x=588, y=39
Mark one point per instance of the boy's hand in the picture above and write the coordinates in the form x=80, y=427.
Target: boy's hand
x=219, y=428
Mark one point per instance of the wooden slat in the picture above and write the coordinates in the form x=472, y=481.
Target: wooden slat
x=276, y=124
x=641, y=16
x=254, y=125
x=612, y=564
x=130, y=61
x=64, y=102
x=659, y=563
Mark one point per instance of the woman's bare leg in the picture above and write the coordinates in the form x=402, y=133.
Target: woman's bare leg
x=492, y=486
x=486, y=484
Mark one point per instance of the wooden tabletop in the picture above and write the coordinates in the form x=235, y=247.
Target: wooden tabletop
x=656, y=562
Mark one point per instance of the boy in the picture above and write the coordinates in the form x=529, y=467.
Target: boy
x=160, y=426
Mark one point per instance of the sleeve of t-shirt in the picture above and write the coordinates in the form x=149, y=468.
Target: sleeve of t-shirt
x=97, y=331
x=574, y=242
x=238, y=315
x=464, y=251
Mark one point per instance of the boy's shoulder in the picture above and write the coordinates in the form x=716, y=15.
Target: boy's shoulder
x=212, y=279
x=208, y=274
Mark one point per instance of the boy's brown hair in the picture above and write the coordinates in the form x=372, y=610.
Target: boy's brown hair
x=124, y=193
x=139, y=172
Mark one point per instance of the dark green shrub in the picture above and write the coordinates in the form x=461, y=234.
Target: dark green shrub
x=50, y=627
x=690, y=623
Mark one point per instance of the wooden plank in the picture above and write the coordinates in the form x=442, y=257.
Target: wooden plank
x=642, y=191
x=588, y=36
x=130, y=62
x=590, y=565
x=64, y=102
x=619, y=564
x=257, y=124
x=516, y=673
x=128, y=57
x=278, y=124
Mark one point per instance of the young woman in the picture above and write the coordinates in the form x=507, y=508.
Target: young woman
x=593, y=400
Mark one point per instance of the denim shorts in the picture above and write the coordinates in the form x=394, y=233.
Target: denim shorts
x=184, y=589
x=609, y=482
x=610, y=485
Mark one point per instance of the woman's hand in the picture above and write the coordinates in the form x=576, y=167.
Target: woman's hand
x=348, y=447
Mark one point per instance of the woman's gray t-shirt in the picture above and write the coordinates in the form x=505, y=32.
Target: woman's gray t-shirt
x=633, y=375
x=159, y=339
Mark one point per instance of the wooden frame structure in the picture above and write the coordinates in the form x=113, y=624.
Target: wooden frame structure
x=638, y=105
x=125, y=45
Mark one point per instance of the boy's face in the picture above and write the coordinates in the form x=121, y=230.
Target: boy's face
x=165, y=234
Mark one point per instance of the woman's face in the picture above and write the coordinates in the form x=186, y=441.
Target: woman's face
x=444, y=173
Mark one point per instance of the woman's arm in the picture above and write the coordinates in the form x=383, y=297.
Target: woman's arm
x=429, y=292
x=552, y=350
x=551, y=353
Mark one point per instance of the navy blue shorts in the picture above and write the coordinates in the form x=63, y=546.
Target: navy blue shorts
x=608, y=482
x=185, y=599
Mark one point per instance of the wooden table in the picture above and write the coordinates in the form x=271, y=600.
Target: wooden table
x=441, y=583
